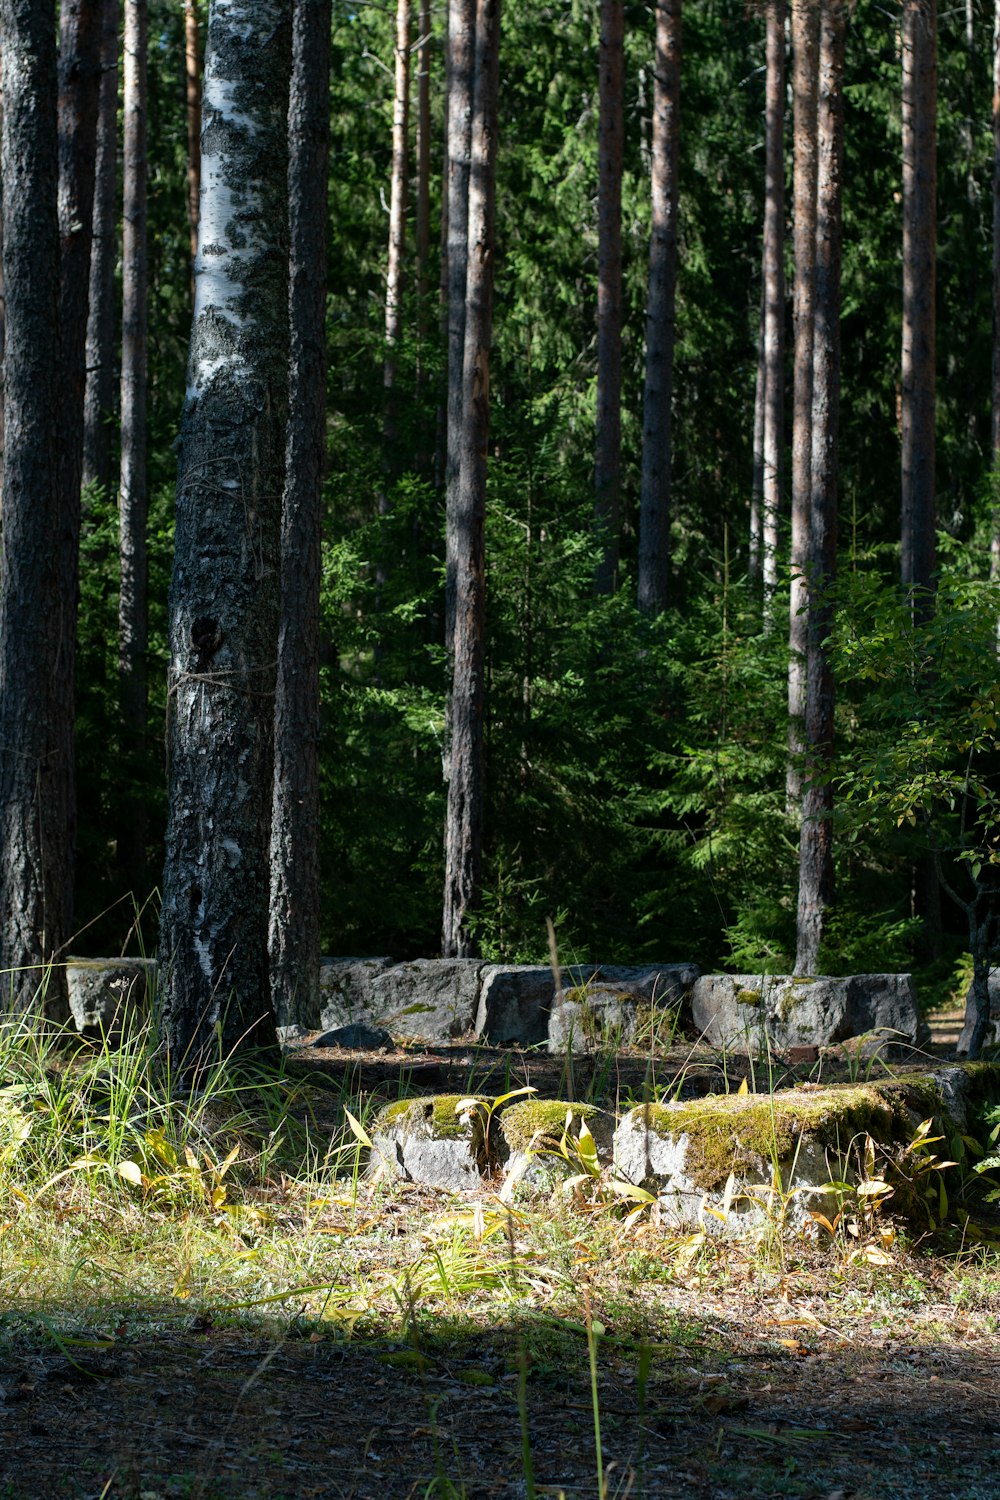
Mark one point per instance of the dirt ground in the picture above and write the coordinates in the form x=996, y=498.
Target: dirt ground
x=740, y=1401
x=866, y=1389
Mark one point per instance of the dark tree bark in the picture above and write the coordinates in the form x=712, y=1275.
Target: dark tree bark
x=805, y=57
x=397, y=231
x=995, y=547
x=192, y=84
x=464, y=827
x=227, y=554
x=295, y=872
x=132, y=490
x=654, y=504
x=461, y=63
x=607, y=464
x=99, y=396
x=755, y=550
x=816, y=838
x=79, y=90
x=34, y=847
x=919, y=40
x=774, y=300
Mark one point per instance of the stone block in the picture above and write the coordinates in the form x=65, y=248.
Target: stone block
x=346, y=991
x=435, y=999
x=612, y=1005
x=105, y=993
x=528, y=1137
x=428, y=1141
x=753, y=1013
x=516, y=1002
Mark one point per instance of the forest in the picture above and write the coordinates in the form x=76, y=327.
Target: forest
x=638, y=554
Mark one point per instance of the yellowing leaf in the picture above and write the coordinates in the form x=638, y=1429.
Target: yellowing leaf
x=131, y=1171
x=358, y=1129
x=744, y=1087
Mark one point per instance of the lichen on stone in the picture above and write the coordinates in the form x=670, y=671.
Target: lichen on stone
x=437, y=1115
x=749, y=997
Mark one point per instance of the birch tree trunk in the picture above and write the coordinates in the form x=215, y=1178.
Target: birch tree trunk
x=805, y=59
x=919, y=38
x=132, y=490
x=464, y=826
x=99, y=394
x=657, y=442
x=461, y=63
x=295, y=872
x=816, y=838
x=192, y=85
x=774, y=301
x=34, y=848
x=225, y=583
x=607, y=464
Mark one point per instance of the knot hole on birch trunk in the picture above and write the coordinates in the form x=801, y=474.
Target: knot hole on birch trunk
x=206, y=636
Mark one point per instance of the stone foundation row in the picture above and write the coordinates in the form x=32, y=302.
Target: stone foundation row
x=593, y=1008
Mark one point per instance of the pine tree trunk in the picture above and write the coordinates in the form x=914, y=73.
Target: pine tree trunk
x=995, y=426
x=295, y=872
x=461, y=62
x=919, y=240
x=79, y=91
x=99, y=396
x=227, y=552
x=34, y=849
x=192, y=81
x=654, y=505
x=132, y=491
x=805, y=58
x=607, y=465
x=464, y=827
x=816, y=838
x=397, y=232
x=774, y=300
x=755, y=549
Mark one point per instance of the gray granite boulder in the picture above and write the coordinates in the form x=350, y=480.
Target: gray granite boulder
x=431, y=998
x=517, y=1002
x=355, y=1038
x=430, y=1142
x=616, y=1006
x=346, y=991
x=754, y=1013
x=105, y=994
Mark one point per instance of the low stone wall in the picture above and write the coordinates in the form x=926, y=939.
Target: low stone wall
x=729, y=1162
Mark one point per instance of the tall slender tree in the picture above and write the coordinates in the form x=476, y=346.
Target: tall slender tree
x=99, y=396
x=995, y=426
x=805, y=61
x=132, y=489
x=918, y=406
x=607, y=463
x=816, y=837
x=774, y=301
x=464, y=826
x=755, y=550
x=461, y=67
x=422, y=227
x=192, y=85
x=227, y=551
x=654, y=504
x=295, y=873
x=79, y=90
x=34, y=845
x=397, y=227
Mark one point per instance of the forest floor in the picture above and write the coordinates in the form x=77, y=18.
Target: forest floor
x=312, y=1336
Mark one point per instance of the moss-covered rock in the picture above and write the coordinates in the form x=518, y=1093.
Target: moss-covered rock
x=530, y=1139
x=799, y=1138
x=431, y=1141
